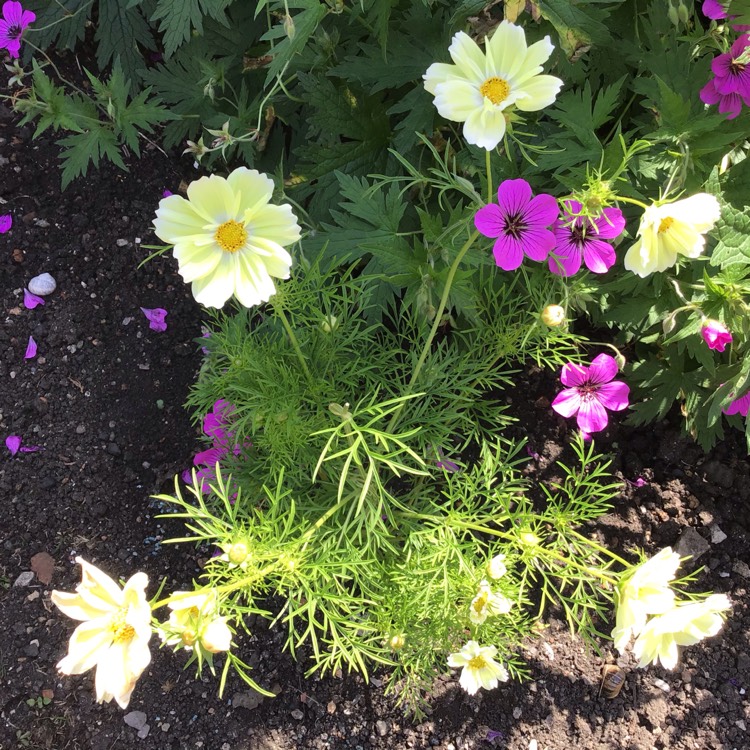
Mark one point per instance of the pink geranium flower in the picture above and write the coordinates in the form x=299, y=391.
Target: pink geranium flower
x=717, y=11
x=730, y=86
x=519, y=223
x=155, y=318
x=739, y=406
x=581, y=239
x=6, y=221
x=715, y=334
x=591, y=392
x=15, y=19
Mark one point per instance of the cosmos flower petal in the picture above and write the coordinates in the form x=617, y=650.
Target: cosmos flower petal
x=211, y=198
x=254, y=190
x=439, y=73
x=538, y=92
x=485, y=128
x=507, y=54
x=537, y=54
x=467, y=56
x=458, y=101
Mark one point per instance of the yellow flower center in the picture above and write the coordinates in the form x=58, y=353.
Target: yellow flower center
x=231, y=236
x=480, y=603
x=478, y=662
x=665, y=223
x=121, y=631
x=495, y=89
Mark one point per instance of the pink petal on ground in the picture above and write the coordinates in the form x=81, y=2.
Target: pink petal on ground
x=13, y=443
x=167, y=193
x=30, y=301
x=573, y=374
x=155, y=318
x=567, y=402
x=602, y=369
x=508, y=252
x=489, y=221
x=6, y=222
x=614, y=395
x=30, y=448
x=514, y=196
x=592, y=416
x=30, y=349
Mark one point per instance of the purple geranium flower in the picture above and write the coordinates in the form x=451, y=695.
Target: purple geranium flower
x=15, y=19
x=30, y=349
x=717, y=11
x=739, y=405
x=519, y=222
x=6, y=222
x=580, y=238
x=155, y=318
x=715, y=334
x=591, y=392
x=30, y=301
x=729, y=104
x=732, y=76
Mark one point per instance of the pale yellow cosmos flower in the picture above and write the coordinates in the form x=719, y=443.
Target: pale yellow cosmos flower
x=496, y=567
x=671, y=230
x=486, y=604
x=645, y=591
x=682, y=625
x=113, y=635
x=194, y=619
x=228, y=238
x=479, y=88
x=479, y=667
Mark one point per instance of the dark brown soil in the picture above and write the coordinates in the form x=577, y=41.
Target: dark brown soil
x=104, y=400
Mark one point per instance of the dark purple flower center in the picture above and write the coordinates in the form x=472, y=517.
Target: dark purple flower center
x=587, y=391
x=736, y=68
x=14, y=32
x=515, y=225
x=578, y=234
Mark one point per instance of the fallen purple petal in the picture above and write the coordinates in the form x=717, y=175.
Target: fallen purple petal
x=30, y=301
x=167, y=193
x=532, y=453
x=30, y=349
x=155, y=317
x=493, y=734
x=6, y=222
x=30, y=448
x=13, y=444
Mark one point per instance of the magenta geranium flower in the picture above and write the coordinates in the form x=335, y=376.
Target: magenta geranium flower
x=581, y=239
x=30, y=301
x=6, y=222
x=717, y=11
x=592, y=390
x=155, y=318
x=715, y=334
x=15, y=19
x=739, y=405
x=519, y=223
x=730, y=86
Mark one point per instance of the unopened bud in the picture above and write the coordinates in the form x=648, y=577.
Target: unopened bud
x=397, y=642
x=496, y=567
x=238, y=553
x=683, y=13
x=529, y=538
x=673, y=16
x=289, y=27
x=329, y=324
x=553, y=315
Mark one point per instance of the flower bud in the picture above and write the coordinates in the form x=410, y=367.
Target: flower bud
x=496, y=567
x=217, y=636
x=238, y=553
x=397, y=642
x=683, y=13
x=553, y=315
x=673, y=16
x=529, y=538
x=715, y=334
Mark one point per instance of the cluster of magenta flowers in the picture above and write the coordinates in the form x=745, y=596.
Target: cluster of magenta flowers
x=12, y=24
x=526, y=225
x=216, y=426
x=730, y=86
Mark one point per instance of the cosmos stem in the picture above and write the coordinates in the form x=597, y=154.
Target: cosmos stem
x=295, y=345
x=488, y=161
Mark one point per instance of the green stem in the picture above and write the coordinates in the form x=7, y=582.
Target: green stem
x=295, y=344
x=438, y=317
x=635, y=202
x=489, y=176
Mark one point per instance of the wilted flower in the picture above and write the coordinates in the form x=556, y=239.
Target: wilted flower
x=479, y=86
x=194, y=619
x=479, y=667
x=592, y=391
x=6, y=222
x=553, y=315
x=485, y=604
x=645, y=591
x=519, y=222
x=30, y=301
x=715, y=334
x=671, y=229
x=113, y=635
x=740, y=405
x=15, y=19
x=496, y=567
x=156, y=318
x=228, y=239
x=682, y=625
x=581, y=239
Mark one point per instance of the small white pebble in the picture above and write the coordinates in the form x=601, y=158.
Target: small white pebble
x=661, y=685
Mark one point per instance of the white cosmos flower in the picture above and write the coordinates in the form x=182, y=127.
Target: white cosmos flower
x=496, y=567
x=671, y=229
x=194, y=619
x=228, y=239
x=486, y=604
x=479, y=667
x=479, y=86
x=682, y=625
x=113, y=635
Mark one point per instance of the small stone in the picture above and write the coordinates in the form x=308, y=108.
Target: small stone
x=517, y=711
x=121, y=243
x=381, y=727
x=32, y=650
x=249, y=699
x=297, y=714
x=661, y=684
x=331, y=707
x=42, y=285
x=741, y=724
x=143, y=732
x=717, y=535
x=533, y=745
x=165, y=726
x=80, y=429
x=135, y=719
x=741, y=567
x=24, y=579
x=691, y=544
x=113, y=449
